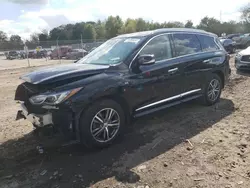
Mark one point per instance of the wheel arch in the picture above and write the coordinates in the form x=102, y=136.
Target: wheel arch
x=222, y=77
x=118, y=99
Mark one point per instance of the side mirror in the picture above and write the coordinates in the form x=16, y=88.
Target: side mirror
x=147, y=59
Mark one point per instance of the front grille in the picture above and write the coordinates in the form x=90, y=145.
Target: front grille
x=245, y=58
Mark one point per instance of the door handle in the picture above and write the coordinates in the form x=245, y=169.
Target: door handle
x=173, y=70
x=207, y=61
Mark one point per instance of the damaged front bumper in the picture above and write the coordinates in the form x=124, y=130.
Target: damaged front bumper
x=38, y=120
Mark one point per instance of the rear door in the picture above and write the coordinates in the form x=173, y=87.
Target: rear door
x=188, y=52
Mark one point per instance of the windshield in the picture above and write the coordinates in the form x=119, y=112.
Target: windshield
x=112, y=52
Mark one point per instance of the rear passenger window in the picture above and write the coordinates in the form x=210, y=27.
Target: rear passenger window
x=186, y=44
x=207, y=43
x=160, y=47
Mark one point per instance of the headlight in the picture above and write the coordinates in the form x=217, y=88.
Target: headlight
x=53, y=98
x=238, y=56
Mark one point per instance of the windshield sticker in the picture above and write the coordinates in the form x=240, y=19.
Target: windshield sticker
x=132, y=40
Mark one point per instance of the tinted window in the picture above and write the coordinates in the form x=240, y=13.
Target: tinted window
x=160, y=47
x=186, y=44
x=207, y=43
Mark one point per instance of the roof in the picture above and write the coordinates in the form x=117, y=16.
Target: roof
x=165, y=30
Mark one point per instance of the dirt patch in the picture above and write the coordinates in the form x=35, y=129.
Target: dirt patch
x=189, y=146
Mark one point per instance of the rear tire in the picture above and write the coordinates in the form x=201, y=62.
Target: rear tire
x=101, y=124
x=212, y=90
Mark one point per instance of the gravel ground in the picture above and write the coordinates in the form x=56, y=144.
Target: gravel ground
x=187, y=146
x=23, y=63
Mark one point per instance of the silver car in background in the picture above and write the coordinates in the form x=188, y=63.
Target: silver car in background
x=242, y=59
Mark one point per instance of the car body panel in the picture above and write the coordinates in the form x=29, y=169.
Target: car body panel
x=61, y=72
x=242, y=59
x=140, y=89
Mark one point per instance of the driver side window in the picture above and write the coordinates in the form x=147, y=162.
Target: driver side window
x=159, y=46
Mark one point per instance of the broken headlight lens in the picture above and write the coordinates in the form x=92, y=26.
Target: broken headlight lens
x=53, y=98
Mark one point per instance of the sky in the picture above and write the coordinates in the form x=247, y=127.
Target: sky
x=24, y=17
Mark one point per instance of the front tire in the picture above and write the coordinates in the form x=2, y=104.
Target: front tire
x=212, y=90
x=101, y=124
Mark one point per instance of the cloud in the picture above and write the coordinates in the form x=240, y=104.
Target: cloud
x=22, y=28
x=41, y=2
x=35, y=15
x=54, y=21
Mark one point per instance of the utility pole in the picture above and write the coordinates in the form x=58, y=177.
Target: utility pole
x=27, y=53
x=82, y=46
x=220, y=16
x=58, y=51
x=81, y=42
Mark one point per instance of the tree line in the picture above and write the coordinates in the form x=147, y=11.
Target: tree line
x=114, y=25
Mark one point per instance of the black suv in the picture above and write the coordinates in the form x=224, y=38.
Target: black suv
x=128, y=76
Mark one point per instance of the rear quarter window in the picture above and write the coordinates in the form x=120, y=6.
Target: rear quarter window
x=208, y=43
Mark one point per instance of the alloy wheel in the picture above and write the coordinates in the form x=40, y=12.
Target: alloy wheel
x=105, y=125
x=213, y=90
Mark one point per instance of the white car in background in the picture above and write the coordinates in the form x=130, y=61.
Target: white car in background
x=242, y=59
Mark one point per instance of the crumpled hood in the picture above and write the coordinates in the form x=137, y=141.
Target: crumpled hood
x=245, y=52
x=62, y=72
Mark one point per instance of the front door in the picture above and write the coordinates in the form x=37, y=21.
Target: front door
x=161, y=82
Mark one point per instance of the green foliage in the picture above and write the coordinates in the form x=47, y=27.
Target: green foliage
x=89, y=32
x=189, y=24
x=246, y=13
x=100, y=30
x=113, y=26
x=3, y=36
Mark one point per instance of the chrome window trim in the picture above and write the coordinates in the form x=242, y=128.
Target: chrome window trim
x=146, y=45
x=173, y=57
x=168, y=99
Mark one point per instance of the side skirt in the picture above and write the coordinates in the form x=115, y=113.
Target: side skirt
x=152, y=110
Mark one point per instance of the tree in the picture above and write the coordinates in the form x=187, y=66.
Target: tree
x=113, y=26
x=89, y=32
x=43, y=36
x=78, y=30
x=212, y=25
x=15, y=42
x=141, y=25
x=189, y=24
x=63, y=32
x=100, y=30
x=16, y=39
x=3, y=36
x=34, y=38
x=129, y=26
x=245, y=13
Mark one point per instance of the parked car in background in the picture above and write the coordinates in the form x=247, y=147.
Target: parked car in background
x=41, y=54
x=76, y=54
x=242, y=59
x=32, y=54
x=23, y=55
x=13, y=55
x=232, y=36
x=128, y=76
x=228, y=44
x=242, y=41
x=60, y=52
